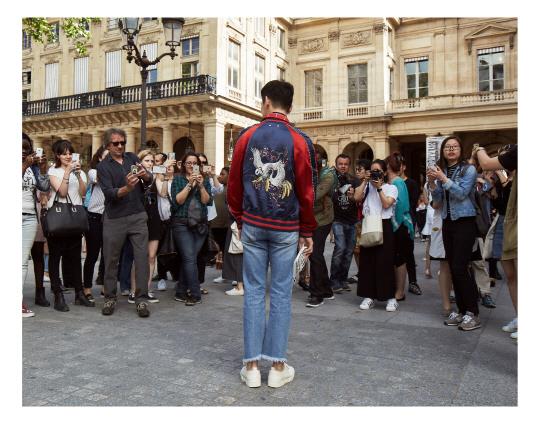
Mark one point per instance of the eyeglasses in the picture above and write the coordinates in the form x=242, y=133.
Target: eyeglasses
x=118, y=143
x=190, y=163
x=450, y=148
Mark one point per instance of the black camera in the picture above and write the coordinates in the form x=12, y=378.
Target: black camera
x=376, y=174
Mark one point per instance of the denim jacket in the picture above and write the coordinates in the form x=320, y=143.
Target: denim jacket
x=461, y=188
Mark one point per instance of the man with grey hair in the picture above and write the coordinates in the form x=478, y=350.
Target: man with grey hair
x=121, y=177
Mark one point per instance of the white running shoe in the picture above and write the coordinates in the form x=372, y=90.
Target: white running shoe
x=219, y=280
x=280, y=378
x=252, y=377
x=391, y=305
x=514, y=335
x=235, y=292
x=511, y=327
x=367, y=303
x=162, y=285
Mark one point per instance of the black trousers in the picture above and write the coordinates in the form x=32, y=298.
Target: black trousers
x=94, y=245
x=69, y=250
x=376, y=278
x=319, y=282
x=220, y=235
x=458, y=239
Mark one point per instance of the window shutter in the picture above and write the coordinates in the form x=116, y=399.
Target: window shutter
x=81, y=75
x=51, y=80
x=114, y=69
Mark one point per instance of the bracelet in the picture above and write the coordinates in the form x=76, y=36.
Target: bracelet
x=65, y=179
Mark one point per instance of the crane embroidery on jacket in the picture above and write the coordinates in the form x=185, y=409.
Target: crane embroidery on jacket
x=271, y=175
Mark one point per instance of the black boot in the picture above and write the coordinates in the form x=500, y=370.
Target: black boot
x=80, y=299
x=60, y=303
x=40, y=298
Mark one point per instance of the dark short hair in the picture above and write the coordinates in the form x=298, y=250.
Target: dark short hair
x=394, y=161
x=442, y=162
x=363, y=163
x=380, y=162
x=186, y=155
x=108, y=134
x=26, y=138
x=343, y=156
x=280, y=93
x=226, y=169
x=59, y=148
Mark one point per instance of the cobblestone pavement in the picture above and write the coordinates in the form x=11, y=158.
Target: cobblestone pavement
x=342, y=356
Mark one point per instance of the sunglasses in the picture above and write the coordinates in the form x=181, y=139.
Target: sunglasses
x=118, y=143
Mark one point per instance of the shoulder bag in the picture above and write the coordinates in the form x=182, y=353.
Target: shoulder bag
x=64, y=219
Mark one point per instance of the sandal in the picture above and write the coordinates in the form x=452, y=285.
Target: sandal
x=414, y=288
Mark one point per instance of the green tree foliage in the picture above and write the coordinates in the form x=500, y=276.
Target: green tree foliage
x=76, y=29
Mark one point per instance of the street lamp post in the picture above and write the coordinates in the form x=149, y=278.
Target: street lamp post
x=130, y=28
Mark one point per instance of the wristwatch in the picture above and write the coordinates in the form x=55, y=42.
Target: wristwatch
x=379, y=190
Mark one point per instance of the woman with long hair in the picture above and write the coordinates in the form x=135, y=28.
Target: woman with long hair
x=190, y=194
x=452, y=183
x=402, y=225
x=376, y=278
x=94, y=236
x=146, y=157
x=67, y=179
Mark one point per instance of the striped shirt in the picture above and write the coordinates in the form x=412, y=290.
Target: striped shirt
x=97, y=198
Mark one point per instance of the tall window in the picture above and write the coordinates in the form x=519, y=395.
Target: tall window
x=26, y=77
x=80, y=75
x=259, y=26
x=113, y=69
x=56, y=32
x=233, y=65
x=26, y=40
x=51, y=80
x=112, y=24
x=151, y=53
x=190, y=46
x=314, y=88
x=259, y=75
x=26, y=95
x=417, y=77
x=190, y=69
x=358, y=83
x=491, y=69
x=281, y=39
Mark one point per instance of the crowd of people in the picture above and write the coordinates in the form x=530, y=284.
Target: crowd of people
x=151, y=212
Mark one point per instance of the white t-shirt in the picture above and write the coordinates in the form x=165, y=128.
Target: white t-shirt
x=28, y=199
x=164, y=204
x=73, y=187
x=373, y=205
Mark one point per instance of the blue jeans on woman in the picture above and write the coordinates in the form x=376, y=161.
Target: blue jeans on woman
x=267, y=339
x=189, y=242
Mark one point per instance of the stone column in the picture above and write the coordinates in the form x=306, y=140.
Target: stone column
x=38, y=142
x=97, y=141
x=130, y=145
x=167, y=146
x=333, y=151
x=214, y=142
x=382, y=147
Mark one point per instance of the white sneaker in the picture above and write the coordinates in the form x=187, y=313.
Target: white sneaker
x=46, y=279
x=514, y=335
x=280, y=378
x=162, y=285
x=235, y=292
x=391, y=305
x=511, y=327
x=219, y=280
x=252, y=377
x=367, y=303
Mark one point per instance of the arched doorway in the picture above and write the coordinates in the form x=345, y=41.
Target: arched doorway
x=358, y=150
x=181, y=146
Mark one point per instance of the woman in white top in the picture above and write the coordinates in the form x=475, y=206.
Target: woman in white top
x=67, y=179
x=94, y=236
x=376, y=278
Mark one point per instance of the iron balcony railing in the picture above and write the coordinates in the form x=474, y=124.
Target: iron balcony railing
x=121, y=95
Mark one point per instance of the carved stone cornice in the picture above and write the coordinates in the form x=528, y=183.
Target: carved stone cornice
x=491, y=31
x=293, y=41
x=191, y=31
x=359, y=38
x=313, y=45
x=333, y=35
x=378, y=28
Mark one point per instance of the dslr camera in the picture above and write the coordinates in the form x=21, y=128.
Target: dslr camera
x=376, y=174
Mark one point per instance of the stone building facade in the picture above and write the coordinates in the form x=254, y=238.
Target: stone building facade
x=365, y=86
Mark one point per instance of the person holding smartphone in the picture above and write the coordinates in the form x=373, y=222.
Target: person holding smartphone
x=452, y=182
x=67, y=179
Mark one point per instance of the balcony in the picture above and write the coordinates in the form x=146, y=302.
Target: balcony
x=453, y=101
x=191, y=86
x=348, y=112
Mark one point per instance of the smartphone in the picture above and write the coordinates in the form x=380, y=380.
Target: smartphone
x=39, y=152
x=159, y=169
x=134, y=169
x=206, y=168
x=196, y=169
x=171, y=156
x=75, y=157
x=475, y=146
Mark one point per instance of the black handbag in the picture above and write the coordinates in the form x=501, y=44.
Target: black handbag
x=64, y=219
x=167, y=245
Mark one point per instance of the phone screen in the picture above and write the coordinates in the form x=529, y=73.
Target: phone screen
x=74, y=157
x=195, y=169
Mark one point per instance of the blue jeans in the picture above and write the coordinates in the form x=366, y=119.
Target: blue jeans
x=263, y=338
x=344, y=237
x=188, y=243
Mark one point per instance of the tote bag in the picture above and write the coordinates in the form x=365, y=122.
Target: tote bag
x=487, y=251
x=372, y=231
x=64, y=219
